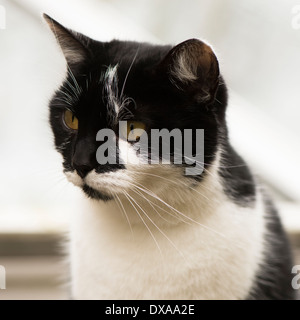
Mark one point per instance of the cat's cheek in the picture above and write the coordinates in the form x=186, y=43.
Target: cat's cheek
x=74, y=178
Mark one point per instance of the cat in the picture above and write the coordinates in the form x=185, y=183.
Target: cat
x=150, y=231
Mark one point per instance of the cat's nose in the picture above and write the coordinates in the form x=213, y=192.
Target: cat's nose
x=83, y=160
x=82, y=169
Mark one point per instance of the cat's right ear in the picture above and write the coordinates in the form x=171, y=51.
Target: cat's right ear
x=194, y=69
x=73, y=44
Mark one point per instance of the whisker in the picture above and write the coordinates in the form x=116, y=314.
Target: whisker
x=126, y=195
x=176, y=182
x=176, y=214
x=185, y=216
x=129, y=69
x=152, y=205
x=75, y=81
x=123, y=209
x=170, y=241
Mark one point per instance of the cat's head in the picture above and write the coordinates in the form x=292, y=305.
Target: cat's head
x=130, y=88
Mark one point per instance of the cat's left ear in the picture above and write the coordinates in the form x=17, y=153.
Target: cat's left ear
x=73, y=44
x=193, y=68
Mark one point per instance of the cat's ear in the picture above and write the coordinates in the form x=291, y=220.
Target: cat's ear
x=73, y=44
x=193, y=68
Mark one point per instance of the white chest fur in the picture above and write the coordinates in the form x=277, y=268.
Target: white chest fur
x=179, y=261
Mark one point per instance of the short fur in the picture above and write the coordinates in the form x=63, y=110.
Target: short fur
x=149, y=231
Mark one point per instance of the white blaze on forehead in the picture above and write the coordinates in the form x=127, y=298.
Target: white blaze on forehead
x=111, y=89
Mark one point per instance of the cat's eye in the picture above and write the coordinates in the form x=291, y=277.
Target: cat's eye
x=70, y=120
x=133, y=130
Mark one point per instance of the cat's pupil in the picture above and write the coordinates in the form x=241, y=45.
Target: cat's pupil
x=131, y=127
x=73, y=117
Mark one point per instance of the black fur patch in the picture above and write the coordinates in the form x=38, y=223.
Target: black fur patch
x=95, y=194
x=273, y=280
x=237, y=180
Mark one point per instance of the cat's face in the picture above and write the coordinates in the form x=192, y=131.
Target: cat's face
x=149, y=87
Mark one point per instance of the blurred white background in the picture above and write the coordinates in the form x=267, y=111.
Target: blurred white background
x=258, y=45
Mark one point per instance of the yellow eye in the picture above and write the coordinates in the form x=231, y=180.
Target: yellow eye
x=70, y=120
x=132, y=130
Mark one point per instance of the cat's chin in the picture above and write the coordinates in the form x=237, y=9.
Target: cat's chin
x=95, y=194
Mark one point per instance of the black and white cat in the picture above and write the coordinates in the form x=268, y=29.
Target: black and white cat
x=149, y=231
